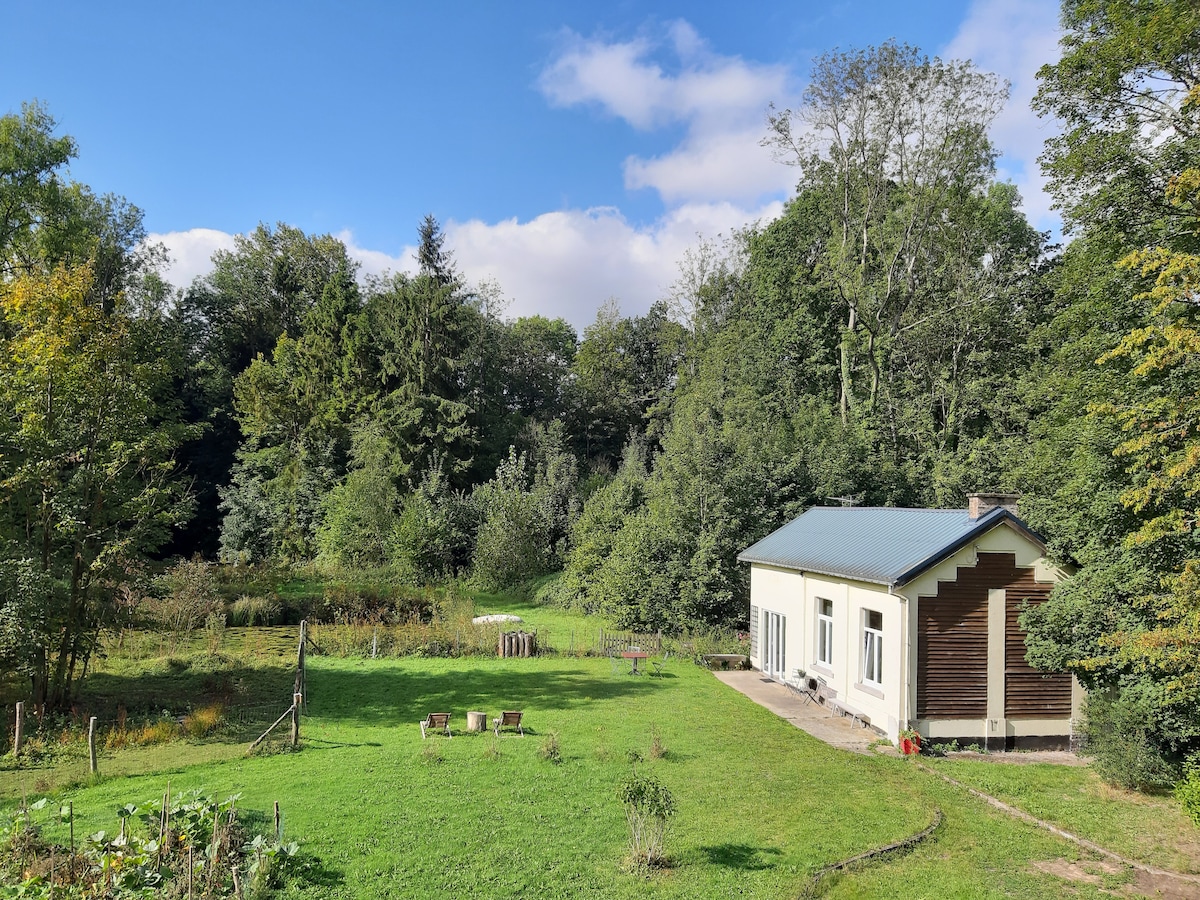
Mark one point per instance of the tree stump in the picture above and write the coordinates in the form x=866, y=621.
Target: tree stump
x=476, y=721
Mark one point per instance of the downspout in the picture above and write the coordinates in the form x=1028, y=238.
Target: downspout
x=905, y=656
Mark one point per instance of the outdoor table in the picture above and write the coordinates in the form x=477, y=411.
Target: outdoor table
x=633, y=656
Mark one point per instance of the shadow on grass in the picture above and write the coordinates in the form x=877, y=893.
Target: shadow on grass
x=389, y=695
x=741, y=856
x=181, y=684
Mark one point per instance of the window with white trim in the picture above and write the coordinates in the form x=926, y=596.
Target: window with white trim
x=825, y=632
x=872, y=669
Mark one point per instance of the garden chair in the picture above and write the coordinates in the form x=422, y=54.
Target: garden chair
x=509, y=720
x=659, y=665
x=436, y=722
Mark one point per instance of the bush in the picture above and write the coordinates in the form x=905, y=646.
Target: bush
x=1187, y=791
x=649, y=807
x=1120, y=737
x=187, y=595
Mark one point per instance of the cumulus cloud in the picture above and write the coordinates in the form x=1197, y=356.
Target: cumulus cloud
x=190, y=252
x=721, y=100
x=1014, y=38
x=568, y=263
x=377, y=262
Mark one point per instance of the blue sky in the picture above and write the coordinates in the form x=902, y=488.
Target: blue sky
x=572, y=152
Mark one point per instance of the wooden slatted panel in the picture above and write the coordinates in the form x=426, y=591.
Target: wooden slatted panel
x=754, y=631
x=1029, y=692
x=952, y=637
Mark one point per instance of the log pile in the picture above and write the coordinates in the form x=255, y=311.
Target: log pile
x=517, y=643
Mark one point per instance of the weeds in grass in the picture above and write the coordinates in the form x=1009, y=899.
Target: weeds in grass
x=492, y=750
x=550, y=749
x=657, y=750
x=204, y=721
x=247, y=610
x=431, y=754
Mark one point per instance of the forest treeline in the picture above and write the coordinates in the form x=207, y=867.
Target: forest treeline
x=900, y=335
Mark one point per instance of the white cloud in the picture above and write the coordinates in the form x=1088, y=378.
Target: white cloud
x=568, y=263
x=377, y=262
x=190, y=252
x=722, y=100
x=1014, y=38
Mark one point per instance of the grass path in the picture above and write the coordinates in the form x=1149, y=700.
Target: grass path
x=761, y=804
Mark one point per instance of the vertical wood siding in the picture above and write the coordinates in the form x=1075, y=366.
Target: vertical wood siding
x=952, y=647
x=1029, y=692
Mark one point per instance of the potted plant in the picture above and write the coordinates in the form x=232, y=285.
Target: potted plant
x=910, y=741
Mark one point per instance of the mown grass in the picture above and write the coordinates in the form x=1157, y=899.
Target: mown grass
x=761, y=804
x=1153, y=829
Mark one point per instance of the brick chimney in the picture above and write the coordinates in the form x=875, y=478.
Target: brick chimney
x=979, y=505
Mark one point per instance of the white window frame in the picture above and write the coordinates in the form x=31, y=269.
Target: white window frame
x=872, y=660
x=824, y=633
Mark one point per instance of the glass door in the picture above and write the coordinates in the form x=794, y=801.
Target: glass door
x=774, y=661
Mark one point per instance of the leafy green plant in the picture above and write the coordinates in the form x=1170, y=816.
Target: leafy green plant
x=649, y=807
x=1187, y=790
x=1121, y=740
x=163, y=847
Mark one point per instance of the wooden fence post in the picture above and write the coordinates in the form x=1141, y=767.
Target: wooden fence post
x=92, y=744
x=297, y=699
x=301, y=687
x=19, y=740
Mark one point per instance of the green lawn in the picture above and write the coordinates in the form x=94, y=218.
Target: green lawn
x=760, y=803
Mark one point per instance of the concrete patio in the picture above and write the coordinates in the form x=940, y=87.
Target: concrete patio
x=835, y=730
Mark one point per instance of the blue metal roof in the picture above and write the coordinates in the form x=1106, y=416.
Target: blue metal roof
x=881, y=545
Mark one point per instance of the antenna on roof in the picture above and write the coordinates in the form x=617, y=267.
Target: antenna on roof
x=852, y=500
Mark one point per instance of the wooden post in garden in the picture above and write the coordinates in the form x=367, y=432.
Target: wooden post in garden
x=297, y=699
x=19, y=740
x=375, y=642
x=301, y=688
x=92, y=744
x=278, y=830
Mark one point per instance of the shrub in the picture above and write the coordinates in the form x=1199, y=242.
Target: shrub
x=1187, y=791
x=649, y=807
x=1120, y=737
x=187, y=594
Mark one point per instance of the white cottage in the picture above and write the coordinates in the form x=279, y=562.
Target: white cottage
x=908, y=618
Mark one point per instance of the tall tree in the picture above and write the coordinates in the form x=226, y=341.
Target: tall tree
x=87, y=482
x=895, y=140
x=1123, y=171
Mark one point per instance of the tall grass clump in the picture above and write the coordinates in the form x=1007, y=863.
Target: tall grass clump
x=250, y=610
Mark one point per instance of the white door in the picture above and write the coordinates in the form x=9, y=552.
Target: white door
x=774, y=663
